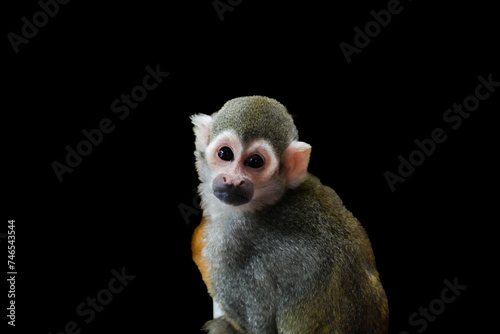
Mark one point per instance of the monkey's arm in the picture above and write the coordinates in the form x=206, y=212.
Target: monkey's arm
x=197, y=244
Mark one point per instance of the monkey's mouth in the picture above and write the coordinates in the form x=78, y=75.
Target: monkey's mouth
x=233, y=196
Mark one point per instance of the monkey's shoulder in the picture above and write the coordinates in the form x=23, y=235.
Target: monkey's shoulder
x=314, y=199
x=312, y=190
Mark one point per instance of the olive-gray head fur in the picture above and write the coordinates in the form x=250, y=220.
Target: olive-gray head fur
x=255, y=117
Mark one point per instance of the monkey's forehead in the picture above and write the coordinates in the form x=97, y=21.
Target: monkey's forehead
x=256, y=117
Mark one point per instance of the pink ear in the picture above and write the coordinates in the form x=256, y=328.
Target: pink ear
x=202, y=125
x=296, y=161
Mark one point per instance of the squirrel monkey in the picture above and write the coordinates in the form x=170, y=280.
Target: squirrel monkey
x=277, y=249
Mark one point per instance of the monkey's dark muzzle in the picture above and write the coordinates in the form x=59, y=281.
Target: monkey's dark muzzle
x=232, y=194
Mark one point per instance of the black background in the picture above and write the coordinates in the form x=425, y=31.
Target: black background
x=120, y=206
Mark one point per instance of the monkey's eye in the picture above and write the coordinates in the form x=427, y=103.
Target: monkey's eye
x=225, y=153
x=254, y=161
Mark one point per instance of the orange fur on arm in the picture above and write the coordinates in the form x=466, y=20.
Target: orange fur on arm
x=197, y=244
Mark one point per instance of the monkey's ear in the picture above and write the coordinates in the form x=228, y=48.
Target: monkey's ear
x=296, y=160
x=202, y=125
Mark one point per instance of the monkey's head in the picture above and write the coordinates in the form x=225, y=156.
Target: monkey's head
x=248, y=154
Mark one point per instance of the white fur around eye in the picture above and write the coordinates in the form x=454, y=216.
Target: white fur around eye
x=266, y=151
x=226, y=138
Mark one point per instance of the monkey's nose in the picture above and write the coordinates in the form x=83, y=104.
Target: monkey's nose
x=232, y=191
x=230, y=184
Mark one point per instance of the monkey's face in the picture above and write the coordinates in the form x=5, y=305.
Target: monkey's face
x=238, y=173
x=242, y=173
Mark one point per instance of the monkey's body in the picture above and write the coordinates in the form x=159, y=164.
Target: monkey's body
x=297, y=262
x=291, y=277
